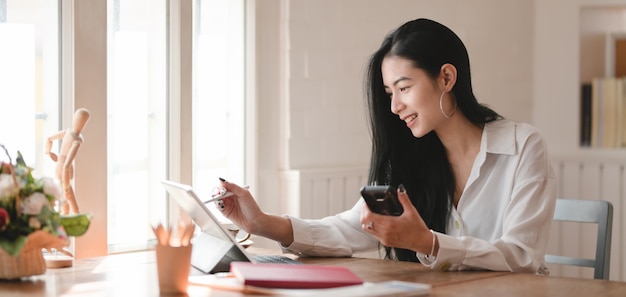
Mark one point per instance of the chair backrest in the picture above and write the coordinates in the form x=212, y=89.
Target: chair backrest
x=587, y=211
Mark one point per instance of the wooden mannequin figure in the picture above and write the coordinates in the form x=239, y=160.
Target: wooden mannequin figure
x=71, y=141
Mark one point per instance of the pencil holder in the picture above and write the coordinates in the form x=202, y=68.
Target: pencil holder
x=173, y=266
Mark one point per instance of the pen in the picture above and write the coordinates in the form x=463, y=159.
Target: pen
x=223, y=195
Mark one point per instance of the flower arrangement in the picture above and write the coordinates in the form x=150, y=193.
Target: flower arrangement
x=27, y=207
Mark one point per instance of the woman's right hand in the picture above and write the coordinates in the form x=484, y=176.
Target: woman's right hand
x=240, y=208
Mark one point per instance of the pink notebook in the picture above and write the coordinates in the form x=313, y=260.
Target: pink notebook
x=271, y=275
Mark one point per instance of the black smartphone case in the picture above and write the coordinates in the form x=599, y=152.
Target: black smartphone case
x=382, y=200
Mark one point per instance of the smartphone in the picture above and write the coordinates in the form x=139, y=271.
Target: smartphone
x=382, y=200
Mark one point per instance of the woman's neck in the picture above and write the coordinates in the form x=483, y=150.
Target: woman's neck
x=460, y=137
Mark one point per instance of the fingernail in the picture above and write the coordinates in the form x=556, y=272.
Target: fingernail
x=401, y=188
x=222, y=179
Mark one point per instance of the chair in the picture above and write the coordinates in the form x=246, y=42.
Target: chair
x=587, y=211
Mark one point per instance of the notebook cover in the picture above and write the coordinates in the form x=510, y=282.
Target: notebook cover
x=272, y=275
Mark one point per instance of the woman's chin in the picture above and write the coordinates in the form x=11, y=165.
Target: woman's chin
x=418, y=133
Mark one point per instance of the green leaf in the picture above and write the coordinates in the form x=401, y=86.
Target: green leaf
x=20, y=159
x=13, y=247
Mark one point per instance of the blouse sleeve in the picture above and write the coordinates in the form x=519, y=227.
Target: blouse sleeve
x=339, y=235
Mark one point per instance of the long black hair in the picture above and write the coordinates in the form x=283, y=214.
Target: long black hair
x=420, y=164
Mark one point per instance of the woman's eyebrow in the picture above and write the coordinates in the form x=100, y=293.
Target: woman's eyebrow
x=398, y=81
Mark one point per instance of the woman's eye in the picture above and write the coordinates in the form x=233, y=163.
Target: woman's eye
x=404, y=89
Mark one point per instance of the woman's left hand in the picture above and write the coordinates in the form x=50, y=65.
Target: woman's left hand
x=406, y=231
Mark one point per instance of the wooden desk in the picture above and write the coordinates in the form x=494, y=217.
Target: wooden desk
x=374, y=270
x=134, y=274
x=518, y=284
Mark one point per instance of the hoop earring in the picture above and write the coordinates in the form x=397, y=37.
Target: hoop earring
x=441, y=106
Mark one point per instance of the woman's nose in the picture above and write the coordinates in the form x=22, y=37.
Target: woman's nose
x=396, y=106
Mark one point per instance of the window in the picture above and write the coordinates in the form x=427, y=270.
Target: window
x=136, y=119
x=218, y=97
x=138, y=108
x=29, y=79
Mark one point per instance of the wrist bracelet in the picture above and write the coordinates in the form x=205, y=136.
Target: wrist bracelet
x=432, y=249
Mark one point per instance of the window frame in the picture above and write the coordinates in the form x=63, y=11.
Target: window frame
x=84, y=84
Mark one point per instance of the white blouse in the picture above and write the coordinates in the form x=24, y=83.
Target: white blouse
x=502, y=221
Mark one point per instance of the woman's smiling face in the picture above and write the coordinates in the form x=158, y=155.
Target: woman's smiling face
x=414, y=95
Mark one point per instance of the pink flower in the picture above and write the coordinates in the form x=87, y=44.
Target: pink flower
x=4, y=219
x=61, y=232
x=32, y=204
x=51, y=188
x=7, y=186
x=5, y=167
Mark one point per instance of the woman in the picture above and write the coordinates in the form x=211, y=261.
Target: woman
x=478, y=191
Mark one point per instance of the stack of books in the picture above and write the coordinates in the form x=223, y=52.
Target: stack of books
x=603, y=113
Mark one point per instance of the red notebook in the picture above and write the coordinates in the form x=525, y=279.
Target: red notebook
x=271, y=275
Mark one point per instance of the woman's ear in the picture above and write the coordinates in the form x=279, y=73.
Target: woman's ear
x=448, y=75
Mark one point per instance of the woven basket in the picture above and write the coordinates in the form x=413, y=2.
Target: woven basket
x=30, y=261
